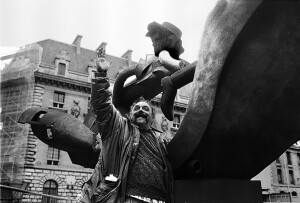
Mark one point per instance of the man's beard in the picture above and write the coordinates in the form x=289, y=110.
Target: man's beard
x=141, y=119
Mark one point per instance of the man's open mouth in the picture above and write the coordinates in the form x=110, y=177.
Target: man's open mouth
x=140, y=115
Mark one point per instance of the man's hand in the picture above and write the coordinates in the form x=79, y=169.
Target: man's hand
x=102, y=64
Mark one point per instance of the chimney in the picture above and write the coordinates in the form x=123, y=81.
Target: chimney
x=127, y=55
x=77, y=42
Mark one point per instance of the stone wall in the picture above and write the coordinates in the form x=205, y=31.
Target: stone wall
x=69, y=182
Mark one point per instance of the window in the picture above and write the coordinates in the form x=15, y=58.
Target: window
x=50, y=188
x=62, y=62
x=52, y=156
x=294, y=194
x=89, y=104
x=61, y=69
x=298, y=156
x=58, y=99
x=176, y=121
x=279, y=176
x=291, y=176
x=92, y=70
x=288, y=156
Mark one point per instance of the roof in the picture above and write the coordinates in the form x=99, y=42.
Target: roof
x=78, y=62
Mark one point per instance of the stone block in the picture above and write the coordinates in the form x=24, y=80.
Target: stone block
x=35, y=181
x=37, y=185
x=39, y=189
x=61, y=190
x=29, y=170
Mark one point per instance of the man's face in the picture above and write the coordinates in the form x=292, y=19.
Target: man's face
x=141, y=115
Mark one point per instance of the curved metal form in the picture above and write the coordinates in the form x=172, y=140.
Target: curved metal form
x=62, y=131
x=244, y=109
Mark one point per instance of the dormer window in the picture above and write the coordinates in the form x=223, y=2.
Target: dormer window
x=62, y=61
x=61, y=69
x=92, y=69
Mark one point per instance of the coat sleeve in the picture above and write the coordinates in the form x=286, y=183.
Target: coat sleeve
x=115, y=129
x=101, y=102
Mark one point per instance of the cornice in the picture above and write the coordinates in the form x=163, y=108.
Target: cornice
x=68, y=83
x=64, y=82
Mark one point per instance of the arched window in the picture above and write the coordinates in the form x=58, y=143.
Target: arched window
x=294, y=194
x=50, y=187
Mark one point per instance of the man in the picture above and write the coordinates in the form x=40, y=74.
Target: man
x=133, y=164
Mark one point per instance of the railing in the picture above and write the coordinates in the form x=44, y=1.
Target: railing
x=68, y=199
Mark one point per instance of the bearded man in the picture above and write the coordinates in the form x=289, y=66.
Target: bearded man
x=133, y=164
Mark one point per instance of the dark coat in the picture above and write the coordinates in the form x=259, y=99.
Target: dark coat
x=120, y=139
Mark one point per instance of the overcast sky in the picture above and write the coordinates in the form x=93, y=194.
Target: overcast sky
x=120, y=23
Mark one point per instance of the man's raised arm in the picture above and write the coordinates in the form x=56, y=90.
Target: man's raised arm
x=101, y=96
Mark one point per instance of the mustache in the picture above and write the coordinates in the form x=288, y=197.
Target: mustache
x=140, y=114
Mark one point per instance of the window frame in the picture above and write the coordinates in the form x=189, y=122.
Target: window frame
x=91, y=70
x=289, y=158
x=49, y=190
x=291, y=177
x=57, y=103
x=176, y=122
x=53, y=155
x=279, y=176
x=59, y=68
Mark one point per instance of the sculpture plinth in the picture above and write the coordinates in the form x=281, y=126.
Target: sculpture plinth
x=211, y=191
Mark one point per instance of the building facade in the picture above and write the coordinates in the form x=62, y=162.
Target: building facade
x=281, y=179
x=55, y=75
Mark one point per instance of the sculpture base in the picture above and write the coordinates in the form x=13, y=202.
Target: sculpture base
x=212, y=191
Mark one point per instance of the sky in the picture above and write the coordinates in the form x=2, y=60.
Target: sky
x=122, y=24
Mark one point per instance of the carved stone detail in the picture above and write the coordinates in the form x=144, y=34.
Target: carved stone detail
x=63, y=55
x=75, y=110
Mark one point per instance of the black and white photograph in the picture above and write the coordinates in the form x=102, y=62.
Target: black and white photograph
x=138, y=101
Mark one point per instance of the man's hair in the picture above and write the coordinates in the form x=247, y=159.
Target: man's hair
x=142, y=99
